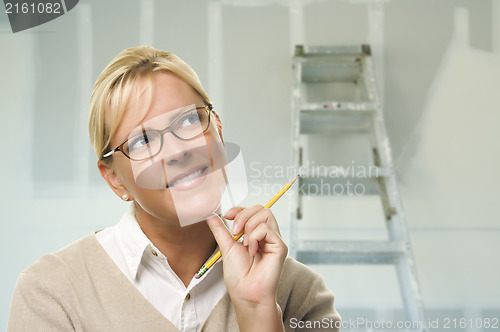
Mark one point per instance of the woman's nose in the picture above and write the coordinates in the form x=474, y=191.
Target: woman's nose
x=176, y=151
x=178, y=158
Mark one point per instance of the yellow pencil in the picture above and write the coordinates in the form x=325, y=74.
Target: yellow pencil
x=218, y=255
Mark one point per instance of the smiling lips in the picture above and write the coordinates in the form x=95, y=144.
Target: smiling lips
x=189, y=179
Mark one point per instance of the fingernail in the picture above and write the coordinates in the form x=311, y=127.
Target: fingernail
x=233, y=229
x=245, y=241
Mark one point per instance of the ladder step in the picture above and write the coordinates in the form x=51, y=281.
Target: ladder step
x=332, y=50
x=328, y=118
x=350, y=252
x=351, y=171
x=320, y=70
x=338, y=107
x=340, y=186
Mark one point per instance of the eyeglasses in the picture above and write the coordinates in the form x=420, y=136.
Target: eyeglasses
x=149, y=142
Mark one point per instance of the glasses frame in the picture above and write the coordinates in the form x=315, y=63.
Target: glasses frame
x=119, y=148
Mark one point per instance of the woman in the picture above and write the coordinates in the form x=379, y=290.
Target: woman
x=150, y=116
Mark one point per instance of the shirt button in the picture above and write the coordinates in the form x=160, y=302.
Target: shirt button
x=154, y=252
x=188, y=296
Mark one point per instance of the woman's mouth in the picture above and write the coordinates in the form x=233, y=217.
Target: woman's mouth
x=188, y=180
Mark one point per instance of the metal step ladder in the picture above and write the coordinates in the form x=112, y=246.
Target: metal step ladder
x=319, y=73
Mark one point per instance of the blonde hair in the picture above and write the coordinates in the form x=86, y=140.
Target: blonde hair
x=115, y=86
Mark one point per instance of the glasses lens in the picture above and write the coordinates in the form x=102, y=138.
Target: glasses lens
x=191, y=124
x=144, y=145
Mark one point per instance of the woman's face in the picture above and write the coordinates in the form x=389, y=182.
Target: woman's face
x=183, y=183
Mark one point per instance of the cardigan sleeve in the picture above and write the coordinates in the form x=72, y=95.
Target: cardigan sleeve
x=306, y=302
x=36, y=307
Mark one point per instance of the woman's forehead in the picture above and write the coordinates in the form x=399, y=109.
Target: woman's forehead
x=162, y=93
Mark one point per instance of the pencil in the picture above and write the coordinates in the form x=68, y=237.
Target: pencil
x=218, y=255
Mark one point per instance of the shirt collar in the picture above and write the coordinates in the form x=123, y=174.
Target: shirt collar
x=133, y=242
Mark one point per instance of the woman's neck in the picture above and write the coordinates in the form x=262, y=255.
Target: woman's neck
x=186, y=248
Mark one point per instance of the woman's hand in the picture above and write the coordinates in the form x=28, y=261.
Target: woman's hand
x=252, y=269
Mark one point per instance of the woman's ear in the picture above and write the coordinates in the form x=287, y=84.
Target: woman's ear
x=218, y=125
x=108, y=173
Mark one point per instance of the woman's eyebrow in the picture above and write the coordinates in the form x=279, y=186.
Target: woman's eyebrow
x=161, y=121
x=136, y=132
x=177, y=112
x=172, y=115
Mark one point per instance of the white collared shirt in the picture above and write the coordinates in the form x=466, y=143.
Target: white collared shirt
x=148, y=269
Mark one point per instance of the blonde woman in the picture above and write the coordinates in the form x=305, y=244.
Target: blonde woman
x=148, y=109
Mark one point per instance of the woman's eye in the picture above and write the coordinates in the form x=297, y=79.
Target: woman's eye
x=189, y=120
x=139, y=142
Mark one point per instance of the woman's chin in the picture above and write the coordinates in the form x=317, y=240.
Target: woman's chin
x=197, y=207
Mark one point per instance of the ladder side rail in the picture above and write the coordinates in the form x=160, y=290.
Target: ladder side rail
x=409, y=288
x=397, y=224
x=379, y=139
x=369, y=80
x=397, y=227
x=364, y=88
x=382, y=154
x=294, y=190
x=398, y=231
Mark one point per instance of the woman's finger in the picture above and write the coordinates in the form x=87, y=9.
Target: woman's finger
x=233, y=212
x=262, y=216
x=242, y=216
x=267, y=240
x=221, y=234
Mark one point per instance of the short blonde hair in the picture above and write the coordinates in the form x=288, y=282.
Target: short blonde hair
x=115, y=86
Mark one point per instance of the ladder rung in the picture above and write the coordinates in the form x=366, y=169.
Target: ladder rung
x=348, y=172
x=311, y=51
x=327, y=118
x=324, y=70
x=341, y=186
x=350, y=252
x=336, y=107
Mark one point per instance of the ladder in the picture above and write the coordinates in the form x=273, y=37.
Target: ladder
x=319, y=73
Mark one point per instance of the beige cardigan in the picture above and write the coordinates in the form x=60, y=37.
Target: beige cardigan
x=79, y=288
